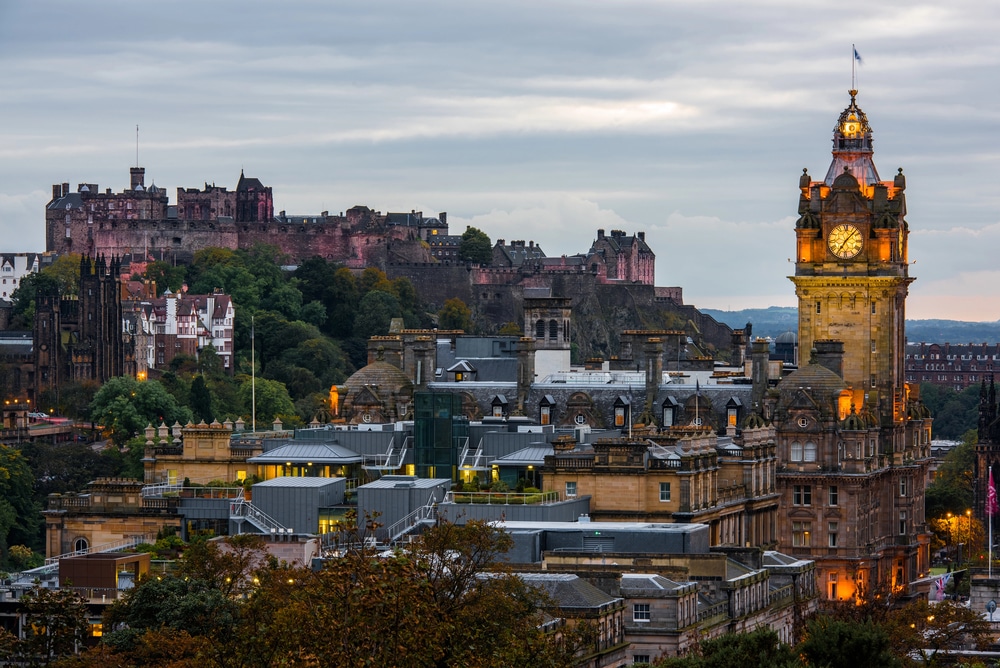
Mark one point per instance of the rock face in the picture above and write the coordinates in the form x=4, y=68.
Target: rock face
x=601, y=310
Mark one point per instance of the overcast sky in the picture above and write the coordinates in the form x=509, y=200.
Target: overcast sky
x=531, y=120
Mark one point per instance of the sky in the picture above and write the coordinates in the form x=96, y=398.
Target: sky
x=535, y=120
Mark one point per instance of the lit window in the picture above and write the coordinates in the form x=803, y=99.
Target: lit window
x=801, y=534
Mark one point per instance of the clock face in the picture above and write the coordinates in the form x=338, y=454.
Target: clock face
x=845, y=241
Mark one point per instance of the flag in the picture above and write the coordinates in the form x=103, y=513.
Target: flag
x=941, y=585
x=991, y=497
x=857, y=56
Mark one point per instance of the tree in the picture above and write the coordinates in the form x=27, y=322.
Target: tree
x=837, y=643
x=760, y=648
x=20, y=519
x=951, y=489
x=375, y=312
x=455, y=315
x=56, y=624
x=125, y=406
x=475, y=247
x=201, y=400
x=272, y=400
x=165, y=275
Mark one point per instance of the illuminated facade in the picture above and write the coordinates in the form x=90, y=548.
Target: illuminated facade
x=853, y=439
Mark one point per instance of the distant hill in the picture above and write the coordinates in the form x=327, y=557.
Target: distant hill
x=775, y=320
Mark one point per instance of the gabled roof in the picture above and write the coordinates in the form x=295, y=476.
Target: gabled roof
x=568, y=590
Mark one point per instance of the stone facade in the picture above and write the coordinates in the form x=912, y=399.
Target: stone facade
x=853, y=439
x=81, y=337
x=957, y=366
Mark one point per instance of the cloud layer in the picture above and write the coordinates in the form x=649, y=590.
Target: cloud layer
x=688, y=120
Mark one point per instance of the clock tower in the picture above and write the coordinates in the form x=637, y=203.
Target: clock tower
x=851, y=273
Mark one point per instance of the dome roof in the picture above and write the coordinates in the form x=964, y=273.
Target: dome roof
x=787, y=337
x=845, y=181
x=385, y=376
x=814, y=377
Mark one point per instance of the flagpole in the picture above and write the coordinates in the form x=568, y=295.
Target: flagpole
x=854, y=55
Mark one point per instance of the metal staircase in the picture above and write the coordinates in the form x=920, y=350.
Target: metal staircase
x=241, y=510
x=392, y=460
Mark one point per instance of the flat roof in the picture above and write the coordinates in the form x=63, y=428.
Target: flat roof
x=297, y=481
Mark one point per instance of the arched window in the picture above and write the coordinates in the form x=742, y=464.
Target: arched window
x=553, y=329
x=796, y=453
x=809, y=453
x=540, y=329
x=80, y=544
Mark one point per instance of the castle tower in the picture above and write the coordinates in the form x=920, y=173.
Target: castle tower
x=851, y=273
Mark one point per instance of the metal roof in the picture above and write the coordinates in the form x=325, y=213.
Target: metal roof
x=531, y=456
x=316, y=453
x=298, y=481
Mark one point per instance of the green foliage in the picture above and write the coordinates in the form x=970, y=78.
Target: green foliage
x=165, y=275
x=510, y=329
x=201, y=400
x=951, y=489
x=272, y=400
x=475, y=247
x=954, y=413
x=455, y=315
x=375, y=311
x=760, y=648
x=56, y=625
x=20, y=519
x=836, y=643
x=124, y=406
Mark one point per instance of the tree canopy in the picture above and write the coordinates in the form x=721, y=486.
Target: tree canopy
x=475, y=246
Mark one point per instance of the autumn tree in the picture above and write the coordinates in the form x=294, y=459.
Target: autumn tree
x=56, y=625
x=455, y=315
x=760, y=648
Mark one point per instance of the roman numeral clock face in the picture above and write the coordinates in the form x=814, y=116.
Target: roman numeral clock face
x=845, y=241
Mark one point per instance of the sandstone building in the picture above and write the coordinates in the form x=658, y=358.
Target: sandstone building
x=853, y=438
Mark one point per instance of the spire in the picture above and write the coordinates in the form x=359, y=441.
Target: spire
x=852, y=146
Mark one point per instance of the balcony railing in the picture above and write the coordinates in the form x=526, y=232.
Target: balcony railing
x=502, y=498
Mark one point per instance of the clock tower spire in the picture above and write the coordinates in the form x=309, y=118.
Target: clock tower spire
x=851, y=271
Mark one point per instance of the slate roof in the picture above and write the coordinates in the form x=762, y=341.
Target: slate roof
x=568, y=590
x=639, y=582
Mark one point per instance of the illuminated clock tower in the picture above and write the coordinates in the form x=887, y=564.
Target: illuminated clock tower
x=851, y=272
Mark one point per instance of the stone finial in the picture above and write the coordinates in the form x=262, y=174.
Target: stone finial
x=150, y=432
x=162, y=431
x=228, y=424
x=240, y=424
x=277, y=426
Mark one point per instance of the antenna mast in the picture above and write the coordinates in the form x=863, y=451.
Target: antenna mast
x=136, y=144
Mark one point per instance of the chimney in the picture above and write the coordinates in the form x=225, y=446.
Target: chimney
x=830, y=353
x=642, y=236
x=760, y=351
x=65, y=189
x=443, y=217
x=56, y=191
x=600, y=234
x=138, y=175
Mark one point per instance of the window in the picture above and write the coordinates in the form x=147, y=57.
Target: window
x=664, y=492
x=80, y=544
x=809, y=452
x=640, y=658
x=902, y=523
x=834, y=495
x=802, y=495
x=873, y=380
x=902, y=486
x=801, y=534
x=796, y=452
x=832, y=533
x=640, y=612
x=873, y=345
x=803, y=422
x=570, y=489
x=819, y=307
x=873, y=308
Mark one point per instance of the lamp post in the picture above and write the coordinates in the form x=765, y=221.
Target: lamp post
x=951, y=540
x=968, y=525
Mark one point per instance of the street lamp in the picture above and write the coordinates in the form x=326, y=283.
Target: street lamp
x=968, y=524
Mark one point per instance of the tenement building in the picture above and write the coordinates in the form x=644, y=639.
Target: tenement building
x=853, y=438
